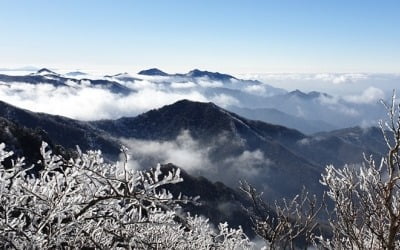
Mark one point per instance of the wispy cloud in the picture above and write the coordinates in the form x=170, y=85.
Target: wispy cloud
x=336, y=78
x=333, y=83
x=183, y=85
x=368, y=96
x=246, y=163
x=340, y=78
x=197, y=158
x=224, y=100
x=88, y=103
x=184, y=151
x=210, y=84
x=255, y=89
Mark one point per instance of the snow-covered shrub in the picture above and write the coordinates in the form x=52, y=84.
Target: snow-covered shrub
x=85, y=202
x=365, y=213
x=367, y=199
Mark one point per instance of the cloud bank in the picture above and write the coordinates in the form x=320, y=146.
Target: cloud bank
x=368, y=96
x=86, y=103
x=197, y=158
x=184, y=151
x=333, y=83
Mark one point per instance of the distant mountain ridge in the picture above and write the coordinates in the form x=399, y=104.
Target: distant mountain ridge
x=62, y=131
x=45, y=71
x=76, y=73
x=274, y=116
x=211, y=75
x=45, y=76
x=302, y=156
x=218, y=202
x=195, y=73
x=284, y=159
x=309, y=95
x=250, y=95
x=26, y=142
x=152, y=72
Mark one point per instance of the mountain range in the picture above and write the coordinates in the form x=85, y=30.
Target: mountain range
x=218, y=202
x=196, y=73
x=46, y=76
x=277, y=160
x=279, y=141
x=307, y=112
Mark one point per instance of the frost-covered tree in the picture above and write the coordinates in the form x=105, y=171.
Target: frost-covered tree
x=87, y=203
x=286, y=224
x=367, y=199
x=366, y=203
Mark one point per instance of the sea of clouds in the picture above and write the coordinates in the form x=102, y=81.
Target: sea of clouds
x=86, y=102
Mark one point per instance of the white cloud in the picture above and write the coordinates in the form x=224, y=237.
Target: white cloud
x=328, y=100
x=341, y=78
x=144, y=84
x=370, y=95
x=347, y=110
x=336, y=78
x=299, y=111
x=248, y=162
x=197, y=158
x=86, y=102
x=308, y=140
x=224, y=100
x=255, y=89
x=184, y=152
x=210, y=84
x=336, y=104
x=89, y=103
x=183, y=85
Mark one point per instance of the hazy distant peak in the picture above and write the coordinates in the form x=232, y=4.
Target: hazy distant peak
x=153, y=72
x=45, y=71
x=195, y=73
x=298, y=93
x=118, y=75
x=76, y=73
x=316, y=94
x=211, y=75
x=122, y=74
x=310, y=95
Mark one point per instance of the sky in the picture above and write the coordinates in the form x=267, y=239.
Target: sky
x=236, y=37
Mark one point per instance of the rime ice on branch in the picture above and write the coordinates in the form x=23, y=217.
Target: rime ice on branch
x=85, y=202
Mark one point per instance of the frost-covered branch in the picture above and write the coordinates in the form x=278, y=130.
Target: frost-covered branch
x=85, y=202
x=367, y=198
x=284, y=225
x=366, y=202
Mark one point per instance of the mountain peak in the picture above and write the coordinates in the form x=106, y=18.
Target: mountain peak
x=298, y=93
x=316, y=94
x=76, y=73
x=45, y=71
x=153, y=72
x=309, y=95
x=212, y=75
x=201, y=119
x=189, y=104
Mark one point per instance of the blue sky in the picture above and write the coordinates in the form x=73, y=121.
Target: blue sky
x=229, y=36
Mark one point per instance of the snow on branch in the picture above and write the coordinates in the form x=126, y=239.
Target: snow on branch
x=85, y=202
